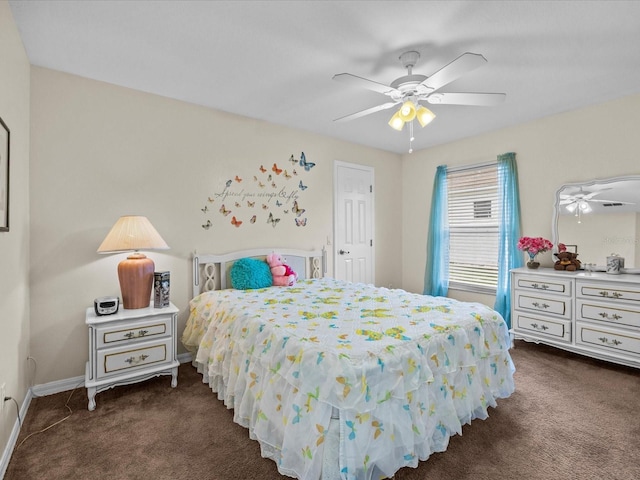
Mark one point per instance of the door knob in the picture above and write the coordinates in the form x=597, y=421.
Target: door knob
x=343, y=252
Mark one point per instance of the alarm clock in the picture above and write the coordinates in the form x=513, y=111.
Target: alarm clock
x=106, y=305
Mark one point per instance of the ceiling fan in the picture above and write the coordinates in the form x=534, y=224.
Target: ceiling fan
x=411, y=89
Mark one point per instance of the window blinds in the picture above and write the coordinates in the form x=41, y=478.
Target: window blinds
x=474, y=216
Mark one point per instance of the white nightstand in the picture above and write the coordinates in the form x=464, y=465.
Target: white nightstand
x=130, y=346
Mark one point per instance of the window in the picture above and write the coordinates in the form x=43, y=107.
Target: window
x=474, y=227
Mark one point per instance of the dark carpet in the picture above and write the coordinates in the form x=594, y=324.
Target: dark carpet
x=571, y=417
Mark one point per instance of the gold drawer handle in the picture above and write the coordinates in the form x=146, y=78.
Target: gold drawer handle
x=542, y=286
x=540, y=305
x=615, y=316
x=605, y=293
x=537, y=327
x=136, y=360
x=141, y=333
x=613, y=342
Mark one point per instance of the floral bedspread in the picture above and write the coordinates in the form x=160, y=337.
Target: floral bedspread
x=405, y=371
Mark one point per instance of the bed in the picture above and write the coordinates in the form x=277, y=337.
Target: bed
x=344, y=380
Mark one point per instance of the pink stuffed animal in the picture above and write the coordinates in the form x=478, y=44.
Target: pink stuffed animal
x=283, y=275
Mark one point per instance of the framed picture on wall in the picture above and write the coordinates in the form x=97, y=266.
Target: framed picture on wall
x=4, y=177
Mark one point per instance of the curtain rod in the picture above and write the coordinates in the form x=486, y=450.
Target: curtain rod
x=471, y=167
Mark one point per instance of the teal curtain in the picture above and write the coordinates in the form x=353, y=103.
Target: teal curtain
x=508, y=252
x=436, y=277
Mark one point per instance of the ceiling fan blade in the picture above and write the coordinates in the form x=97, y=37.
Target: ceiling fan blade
x=473, y=99
x=610, y=201
x=363, y=82
x=368, y=111
x=590, y=195
x=454, y=70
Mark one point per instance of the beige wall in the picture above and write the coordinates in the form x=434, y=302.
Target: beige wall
x=14, y=245
x=100, y=151
x=596, y=142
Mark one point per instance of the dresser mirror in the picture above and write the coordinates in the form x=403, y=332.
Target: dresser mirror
x=599, y=218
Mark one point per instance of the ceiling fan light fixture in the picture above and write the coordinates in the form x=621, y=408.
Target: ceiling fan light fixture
x=407, y=111
x=424, y=115
x=571, y=207
x=396, y=122
x=584, y=206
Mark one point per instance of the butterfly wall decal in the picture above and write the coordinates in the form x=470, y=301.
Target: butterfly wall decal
x=262, y=169
x=205, y=209
x=238, y=179
x=265, y=206
x=297, y=210
x=211, y=200
x=253, y=219
x=276, y=169
x=292, y=159
x=238, y=204
x=278, y=204
x=207, y=225
x=228, y=184
x=302, y=186
x=301, y=222
x=287, y=175
x=250, y=204
x=261, y=185
x=273, y=221
x=235, y=222
x=224, y=211
x=303, y=162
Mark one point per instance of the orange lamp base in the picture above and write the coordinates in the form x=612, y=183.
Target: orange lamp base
x=136, y=280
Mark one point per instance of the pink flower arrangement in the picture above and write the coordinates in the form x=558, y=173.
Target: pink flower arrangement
x=534, y=245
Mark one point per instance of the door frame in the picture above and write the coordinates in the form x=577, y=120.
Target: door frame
x=371, y=170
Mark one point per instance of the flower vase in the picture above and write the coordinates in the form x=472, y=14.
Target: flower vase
x=532, y=262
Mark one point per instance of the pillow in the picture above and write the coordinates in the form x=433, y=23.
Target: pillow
x=249, y=273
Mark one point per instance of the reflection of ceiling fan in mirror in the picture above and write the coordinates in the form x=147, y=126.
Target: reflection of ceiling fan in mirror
x=411, y=89
x=580, y=202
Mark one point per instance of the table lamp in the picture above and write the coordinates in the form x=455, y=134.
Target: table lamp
x=133, y=233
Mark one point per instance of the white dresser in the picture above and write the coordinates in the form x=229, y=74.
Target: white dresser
x=594, y=314
x=130, y=346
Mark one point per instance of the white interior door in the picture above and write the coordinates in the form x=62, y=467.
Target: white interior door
x=353, y=223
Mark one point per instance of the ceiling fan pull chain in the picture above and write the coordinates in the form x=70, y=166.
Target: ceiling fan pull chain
x=411, y=137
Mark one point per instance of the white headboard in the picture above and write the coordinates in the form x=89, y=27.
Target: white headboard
x=211, y=272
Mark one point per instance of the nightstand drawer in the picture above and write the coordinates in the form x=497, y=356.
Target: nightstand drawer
x=608, y=338
x=548, y=327
x=121, y=360
x=112, y=335
x=543, y=304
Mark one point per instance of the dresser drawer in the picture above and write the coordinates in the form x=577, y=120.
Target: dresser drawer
x=559, y=286
x=548, y=327
x=610, y=339
x=121, y=360
x=608, y=312
x=112, y=335
x=531, y=302
x=619, y=293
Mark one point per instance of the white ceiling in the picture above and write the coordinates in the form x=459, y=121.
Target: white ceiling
x=274, y=60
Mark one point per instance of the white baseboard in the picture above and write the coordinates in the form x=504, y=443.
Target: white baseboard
x=42, y=391
x=13, y=438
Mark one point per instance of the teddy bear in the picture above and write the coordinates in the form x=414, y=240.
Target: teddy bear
x=283, y=275
x=567, y=261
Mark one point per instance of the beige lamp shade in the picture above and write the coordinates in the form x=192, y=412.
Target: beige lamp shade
x=132, y=232
x=135, y=273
